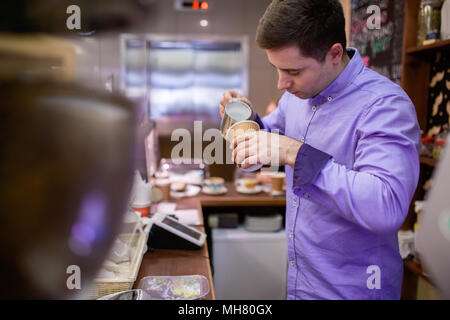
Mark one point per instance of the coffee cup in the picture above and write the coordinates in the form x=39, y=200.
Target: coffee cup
x=164, y=186
x=278, y=182
x=265, y=177
x=240, y=128
x=248, y=184
x=214, y=183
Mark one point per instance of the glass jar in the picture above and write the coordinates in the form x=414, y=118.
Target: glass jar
x=429, y=20
x=437, y=151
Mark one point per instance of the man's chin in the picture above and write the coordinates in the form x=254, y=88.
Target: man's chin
x=300, y=95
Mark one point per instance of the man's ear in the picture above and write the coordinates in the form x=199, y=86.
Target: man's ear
x=335, y=53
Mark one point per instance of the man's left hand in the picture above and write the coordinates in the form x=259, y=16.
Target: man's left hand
x=264, y=147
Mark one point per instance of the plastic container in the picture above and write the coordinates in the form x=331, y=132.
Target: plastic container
x=131, y=222
x=105, y=286
x=189, y=287
x=142, y=199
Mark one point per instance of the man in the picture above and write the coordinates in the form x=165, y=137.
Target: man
x=349, y=138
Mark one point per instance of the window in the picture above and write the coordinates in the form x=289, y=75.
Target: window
x=183, y=79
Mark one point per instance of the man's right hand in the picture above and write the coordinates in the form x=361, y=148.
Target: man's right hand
x=229, y=95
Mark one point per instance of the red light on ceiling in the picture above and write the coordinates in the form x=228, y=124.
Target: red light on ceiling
x=204, y=5
x=195, y=5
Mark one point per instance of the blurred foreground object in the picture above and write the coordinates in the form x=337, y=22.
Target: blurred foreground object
x=66, y=169
x=50, y=16
x=433, y=238
x=36, y=55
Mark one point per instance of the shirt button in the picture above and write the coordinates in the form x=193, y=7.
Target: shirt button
x=294, y=203
x=306, y=195
x=302, y=139
x=292, y=263
x=314, y=108
x=291, y=235
x=330, y=98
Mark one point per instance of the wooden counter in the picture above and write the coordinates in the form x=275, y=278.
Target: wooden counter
x=185, y=262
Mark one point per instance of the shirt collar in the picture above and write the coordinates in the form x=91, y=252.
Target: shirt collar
x=353, y=68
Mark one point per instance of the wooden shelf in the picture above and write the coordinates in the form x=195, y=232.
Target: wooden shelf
x=429, y=48
x=427, y=161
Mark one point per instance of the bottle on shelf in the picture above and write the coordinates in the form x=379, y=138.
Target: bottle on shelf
x=440, y=142
x=426, y=146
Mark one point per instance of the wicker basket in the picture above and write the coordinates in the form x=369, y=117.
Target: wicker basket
x=103, y=287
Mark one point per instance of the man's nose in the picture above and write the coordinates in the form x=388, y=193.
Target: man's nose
x=283, y=81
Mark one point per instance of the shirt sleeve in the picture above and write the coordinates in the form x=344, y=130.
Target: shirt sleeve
x=376, y=192
x=308, y=164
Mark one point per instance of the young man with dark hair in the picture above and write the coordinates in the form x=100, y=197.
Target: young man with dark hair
x=349, y=138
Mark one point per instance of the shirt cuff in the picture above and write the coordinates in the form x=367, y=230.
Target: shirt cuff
x=259, y=121
x=308, y=164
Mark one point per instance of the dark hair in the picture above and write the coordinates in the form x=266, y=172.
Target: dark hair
x=313, y=25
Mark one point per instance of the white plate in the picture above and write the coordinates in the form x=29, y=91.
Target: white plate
x=276, y=193
x=257, y=189
x=190, y=191
x=222, y=190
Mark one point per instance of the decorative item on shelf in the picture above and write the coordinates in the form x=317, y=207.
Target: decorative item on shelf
x=437, y=151
x=440, y=142
x=429, y=20
x=426, y=146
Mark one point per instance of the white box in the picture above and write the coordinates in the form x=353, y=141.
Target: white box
x=249, y=265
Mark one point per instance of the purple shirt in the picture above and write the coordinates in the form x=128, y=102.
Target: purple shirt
x=351, y=186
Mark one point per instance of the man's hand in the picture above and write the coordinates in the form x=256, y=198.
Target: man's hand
x=228, y=96
x=265, y=148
